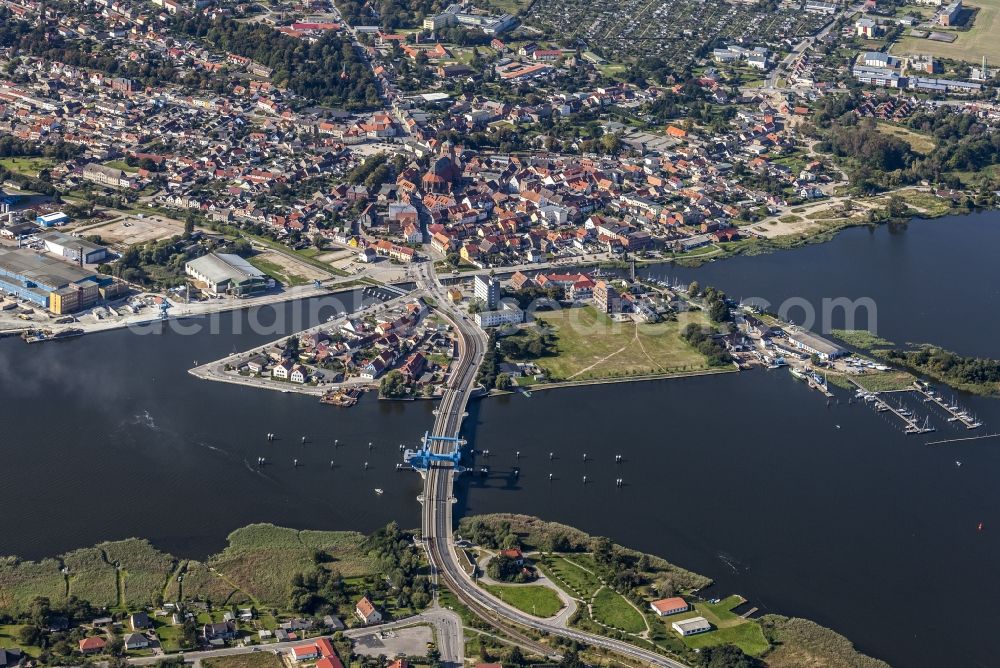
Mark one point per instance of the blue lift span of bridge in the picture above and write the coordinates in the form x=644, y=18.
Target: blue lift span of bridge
x=422, y=459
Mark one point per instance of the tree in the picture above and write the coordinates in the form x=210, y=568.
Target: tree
x=694, y=289
x=504, y=382
x=29, y=635
x=611, y=143
x=393, y=384
x=727, y=656
x=515, y=657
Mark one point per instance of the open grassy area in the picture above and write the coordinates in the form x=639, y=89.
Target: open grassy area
x=286, y=278
x=881, y=381
x=91, y=577
x=261, y=559
x=861, y=338
x=800, y=642
x=536, y=600
x=570, y=577
x=970, y=46
x=590, y=345
x=256, y=567
x=21, y=581
x=27, y=166
x=254, y=660
x=918, y=141
x=144, y=569
x=747, y=636
x=122, y=165
x=612, y=609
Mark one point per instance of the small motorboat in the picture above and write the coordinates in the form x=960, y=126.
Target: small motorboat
x=379, y=491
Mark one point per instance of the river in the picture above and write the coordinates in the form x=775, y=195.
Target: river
x=823, y=511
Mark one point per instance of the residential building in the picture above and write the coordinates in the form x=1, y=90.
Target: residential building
x=951, y=14
x=669, y=606
x=305, y=652
x=11, y=658
x=509, y=314
x=136, y=641
x=366, y=612
x=689, y=627
x=487, y=290
x=107, y=176
x=606, y=298
x=138, y=620
x=92, y=645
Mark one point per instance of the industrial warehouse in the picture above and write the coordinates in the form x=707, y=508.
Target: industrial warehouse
x=222, y=273
x=53, y=284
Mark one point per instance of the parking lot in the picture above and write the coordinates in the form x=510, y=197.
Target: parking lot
x=410, y=641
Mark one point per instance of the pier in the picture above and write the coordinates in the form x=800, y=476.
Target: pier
x=912, y=427
x=955, y=414
x=963, y=439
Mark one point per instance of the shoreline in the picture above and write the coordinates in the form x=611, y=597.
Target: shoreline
x=256, y=542
x=539, y=387
x=228, y=306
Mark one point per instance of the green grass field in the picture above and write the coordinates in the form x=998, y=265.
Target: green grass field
x=27, y=166
x=590, y=345
x=970, y=46
x=918, y=141
x=747, y=636
x=612, y=609
x=122, y=165
x=535, y=600
x=575, y=580
x=277, y=273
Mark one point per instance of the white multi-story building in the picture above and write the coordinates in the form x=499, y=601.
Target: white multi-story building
x=487, y=289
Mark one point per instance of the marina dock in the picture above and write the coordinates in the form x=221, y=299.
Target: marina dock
x=955, y=414
x=911, y=426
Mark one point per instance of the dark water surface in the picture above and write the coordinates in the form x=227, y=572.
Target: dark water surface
x=107, y=436
x=745, y=478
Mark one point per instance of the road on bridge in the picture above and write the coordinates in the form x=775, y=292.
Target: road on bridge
x=437, y=523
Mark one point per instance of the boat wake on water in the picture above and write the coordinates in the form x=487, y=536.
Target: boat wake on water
x=734, y=565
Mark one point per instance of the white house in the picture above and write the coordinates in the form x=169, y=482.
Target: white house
x=282, y=371
x=366, y=612
x=689, y=627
